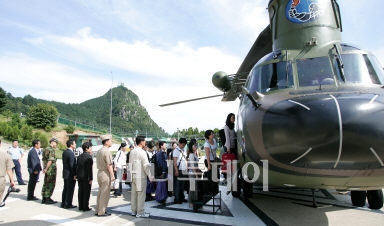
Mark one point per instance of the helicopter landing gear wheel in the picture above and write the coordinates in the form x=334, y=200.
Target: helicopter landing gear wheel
x=358, y=198
x=375, y=199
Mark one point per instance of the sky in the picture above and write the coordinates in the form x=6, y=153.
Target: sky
x=164, y=51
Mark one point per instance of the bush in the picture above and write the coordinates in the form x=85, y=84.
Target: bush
x=70, y=129
x=42, y=116
x=12, y=133
x=43, y=139
x=16, y=121
x=3, y=128
x=48, y=128
x=26, y=133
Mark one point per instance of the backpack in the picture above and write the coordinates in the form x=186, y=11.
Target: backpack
x=222, y=136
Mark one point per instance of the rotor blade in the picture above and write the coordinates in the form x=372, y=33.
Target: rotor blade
x=185, y=101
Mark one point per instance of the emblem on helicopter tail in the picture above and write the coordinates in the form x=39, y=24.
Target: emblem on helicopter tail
x=302, y=11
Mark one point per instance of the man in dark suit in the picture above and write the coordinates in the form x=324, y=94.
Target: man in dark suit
x=85, y=176
x=69, y=175
x=34, y=168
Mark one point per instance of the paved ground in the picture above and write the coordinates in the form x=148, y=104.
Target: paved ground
x=18, y=211
x=276, y=207
x=293, y=207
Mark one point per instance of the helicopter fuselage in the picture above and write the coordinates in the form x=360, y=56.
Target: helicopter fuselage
x=317, y=120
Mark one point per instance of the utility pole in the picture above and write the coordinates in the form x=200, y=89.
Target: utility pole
x=110, y=113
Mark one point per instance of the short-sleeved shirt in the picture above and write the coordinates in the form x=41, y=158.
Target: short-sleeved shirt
x=103, y=159
x=120, y=159
x=6, y=163
x=15, y=153
x=193, y=162
x=212, y=149
x=181, y=158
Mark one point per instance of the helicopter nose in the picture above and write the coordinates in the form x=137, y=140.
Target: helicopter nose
x=342, y=131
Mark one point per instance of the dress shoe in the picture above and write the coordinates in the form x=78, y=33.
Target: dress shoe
x=49, y=201
x=70, y=207
x=23, y=184
x=87, y=209
x=103, y=215
x=32, y=198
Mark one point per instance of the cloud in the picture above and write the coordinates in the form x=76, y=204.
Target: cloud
x=23, y=75
x=174, y=74
x=141, y=57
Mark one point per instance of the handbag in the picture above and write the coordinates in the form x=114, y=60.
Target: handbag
x=217, y=159
x=124, y=177
x=151, y=189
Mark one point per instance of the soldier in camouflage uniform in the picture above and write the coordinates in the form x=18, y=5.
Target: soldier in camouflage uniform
x=49, y=164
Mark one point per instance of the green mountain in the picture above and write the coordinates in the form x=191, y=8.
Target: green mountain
x=128, y=115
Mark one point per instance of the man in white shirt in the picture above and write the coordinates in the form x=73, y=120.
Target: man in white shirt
x=180, y=170
x=138, y=160
x=17, y=154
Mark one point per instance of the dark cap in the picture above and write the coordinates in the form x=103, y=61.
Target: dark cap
x=53, y=140
x=182, y=140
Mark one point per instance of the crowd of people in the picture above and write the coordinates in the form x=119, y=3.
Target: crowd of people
x=152, y=170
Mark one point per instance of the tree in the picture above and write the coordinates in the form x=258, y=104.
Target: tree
x=3, y=98
x=29, y=100
x=42, y=116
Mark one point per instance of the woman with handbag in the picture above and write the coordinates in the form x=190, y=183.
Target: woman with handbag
x=210, y=147
x=119, y=163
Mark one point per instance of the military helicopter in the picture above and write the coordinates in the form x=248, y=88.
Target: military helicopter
x=309, y=104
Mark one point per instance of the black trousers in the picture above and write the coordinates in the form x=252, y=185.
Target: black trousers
x=67, y=195
x=212, y=186
x=32, y=184
x=84, y=194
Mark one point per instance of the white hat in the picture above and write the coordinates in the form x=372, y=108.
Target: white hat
x=106, y=137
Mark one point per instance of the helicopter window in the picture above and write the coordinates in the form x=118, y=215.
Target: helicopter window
x=360, y=68
x=271, y=77
x=314, y=71
x=376, y=67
